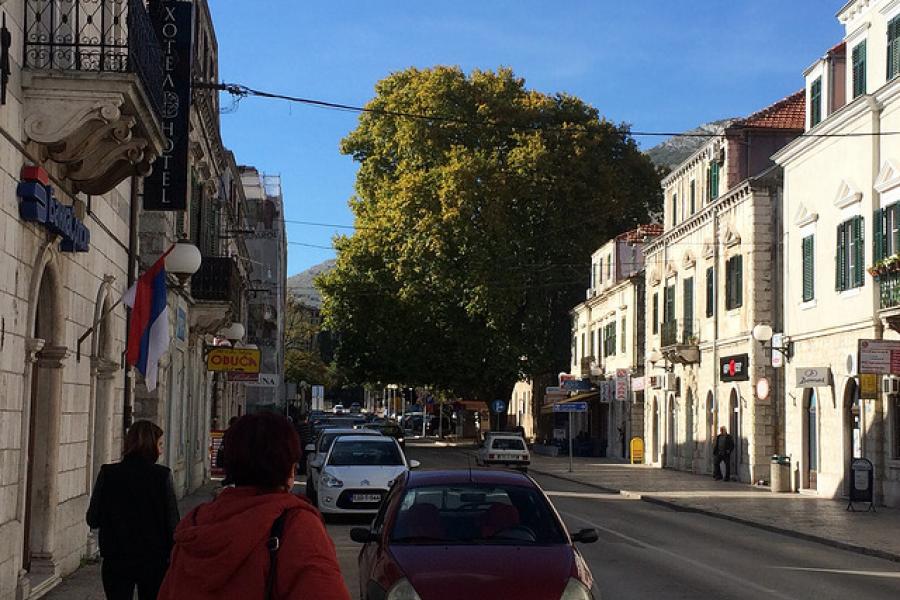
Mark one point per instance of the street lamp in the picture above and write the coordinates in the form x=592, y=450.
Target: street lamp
x=233, y=332
x=655, y=356
x=183, y=260
x=763, y=334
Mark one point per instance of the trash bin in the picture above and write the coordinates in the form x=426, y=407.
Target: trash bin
x=781, y=474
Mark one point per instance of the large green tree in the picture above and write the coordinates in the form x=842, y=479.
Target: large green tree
x=475, y=228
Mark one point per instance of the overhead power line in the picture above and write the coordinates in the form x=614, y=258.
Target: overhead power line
x=242, y=91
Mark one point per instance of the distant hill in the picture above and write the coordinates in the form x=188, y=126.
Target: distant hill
x=675, y=150
x=301, y=285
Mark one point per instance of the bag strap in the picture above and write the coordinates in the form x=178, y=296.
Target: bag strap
x=273, y=544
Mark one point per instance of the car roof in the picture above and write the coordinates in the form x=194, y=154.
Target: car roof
x=464, y=476
x=362, y=438
x=346, y=430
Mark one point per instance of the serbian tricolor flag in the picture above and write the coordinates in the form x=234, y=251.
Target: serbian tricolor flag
x=148, y=334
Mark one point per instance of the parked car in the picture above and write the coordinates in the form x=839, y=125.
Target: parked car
x=389, y=429
x=316, y=453
x=506, y=449
x=358, y=472
x=355, y=408
x=444, y=535
x=339, y=409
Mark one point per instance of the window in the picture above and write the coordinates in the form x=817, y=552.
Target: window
x=594, y=276
x=583, y=354
x=815, y=102
x=710, y=292
x=688, y=308
x=713, y=180
x=623, y=336
x=734, y=282
x=609, y=266
x=893, y=49
x=850, y=255
x=886, y=223
x=655, y=312
x=669, y=304
x=859, y=69
x=809, y=291
x=693, y=196
x=674, y=209
x=895, y=412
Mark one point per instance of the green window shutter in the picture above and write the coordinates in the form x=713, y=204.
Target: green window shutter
x=739, y=281
x=624, y=336
x=713, y=180
x=893, y=50
x=878, y=235
x=859, y=69
x=655, y=312
x=808, y=269
x=710, y=291
x=859, y=246
x=693, y=196
x=815, y=102
x=892, y=233
x=840, y=259
x=688, y=308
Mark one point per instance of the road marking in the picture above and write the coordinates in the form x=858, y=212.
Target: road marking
x=700, y=565
x=590, y=496
x=887, y=574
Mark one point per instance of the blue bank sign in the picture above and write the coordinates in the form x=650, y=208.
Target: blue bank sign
x=38, y=205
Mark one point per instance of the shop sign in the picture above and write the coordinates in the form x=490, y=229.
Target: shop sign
x=621, y=385
x=216, y=436
x=269, y=380
x=37, y=204
x=881, y=357
x=242, y=377
x=233, y=360
x=166, y=188
x=868, y=386
x=638, y=384
x=734, y=368
x=813, y=377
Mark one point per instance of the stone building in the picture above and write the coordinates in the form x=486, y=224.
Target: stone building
x=267, y=246
x=840, y=215
x=608, y=344
x=711, y=277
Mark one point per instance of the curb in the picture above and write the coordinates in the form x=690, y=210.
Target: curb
x=658, y=501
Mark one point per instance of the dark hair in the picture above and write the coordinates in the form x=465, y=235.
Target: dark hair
x=142, y=440
x=260, y=451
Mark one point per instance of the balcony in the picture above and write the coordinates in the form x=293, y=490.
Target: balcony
x=92, y=84
x=218, y=294
x=889, y=292
x=680, y=344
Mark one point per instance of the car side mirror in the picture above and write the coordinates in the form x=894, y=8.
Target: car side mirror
x=310, y=448
x=414, y=464
x=362, y=535
x=586, y=536
x=317, y=461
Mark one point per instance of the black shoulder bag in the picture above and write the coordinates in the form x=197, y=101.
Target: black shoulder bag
x=273, y=544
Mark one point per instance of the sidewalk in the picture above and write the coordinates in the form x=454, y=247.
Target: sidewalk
x=84, y=584
x=807, y=517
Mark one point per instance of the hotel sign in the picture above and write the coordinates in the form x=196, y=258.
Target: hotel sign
x=166, y=188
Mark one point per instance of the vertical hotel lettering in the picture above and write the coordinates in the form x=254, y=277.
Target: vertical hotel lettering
x=167, y=187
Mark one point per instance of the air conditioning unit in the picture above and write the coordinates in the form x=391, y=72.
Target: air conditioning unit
x=670, y=382
x=656, y=382
x=890, y=384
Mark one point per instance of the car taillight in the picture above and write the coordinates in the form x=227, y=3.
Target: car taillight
x=403, y=590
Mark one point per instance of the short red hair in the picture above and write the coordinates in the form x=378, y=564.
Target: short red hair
x=260, y=450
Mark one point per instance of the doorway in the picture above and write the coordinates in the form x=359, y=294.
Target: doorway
x=812, y=438
x=671, y=432
x=710, y=428
x=688, y=453
x=656, y=418
x=853, y=435
x=735, y=430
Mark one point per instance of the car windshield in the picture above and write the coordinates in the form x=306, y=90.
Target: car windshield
x=507, y=444
x=476, y=514
x=372, y=453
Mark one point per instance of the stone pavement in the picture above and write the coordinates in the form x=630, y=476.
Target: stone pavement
x=85, y=584
x=804, y=516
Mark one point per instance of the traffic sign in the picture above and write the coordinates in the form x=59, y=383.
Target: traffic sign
x=498, y=406
x=570, y=407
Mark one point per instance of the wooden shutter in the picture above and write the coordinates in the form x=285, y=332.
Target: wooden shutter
x=714, y=180
x=655, y=312
x=859, y=69
x=710, y=292
x=688, y=308
x=859, y=249
x=815, y=102
x=739, y=280
x=693, y=196
x=893, y=66
x=808, y=269
x=624, y=337
x=878, y=235
x=840, y=260
x=892, y=233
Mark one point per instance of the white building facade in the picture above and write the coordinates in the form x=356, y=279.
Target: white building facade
x=841, y=217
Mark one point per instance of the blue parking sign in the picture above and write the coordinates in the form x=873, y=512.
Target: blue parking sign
x=498, y=406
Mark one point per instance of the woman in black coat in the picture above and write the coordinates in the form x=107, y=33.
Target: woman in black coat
x=134, y=507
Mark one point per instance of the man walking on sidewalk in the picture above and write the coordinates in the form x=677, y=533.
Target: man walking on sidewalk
x=722, y=449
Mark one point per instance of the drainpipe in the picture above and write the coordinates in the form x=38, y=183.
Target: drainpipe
x=128, y=405
x=715, y=360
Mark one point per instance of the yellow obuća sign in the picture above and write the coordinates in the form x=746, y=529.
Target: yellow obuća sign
x=233, y=360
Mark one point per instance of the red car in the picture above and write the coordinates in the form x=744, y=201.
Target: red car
x=446, y=535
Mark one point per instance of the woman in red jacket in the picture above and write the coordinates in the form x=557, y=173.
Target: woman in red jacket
x=227, y=548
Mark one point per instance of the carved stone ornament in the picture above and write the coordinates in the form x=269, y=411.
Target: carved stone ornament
x=100, y=137
x=654, y=276
x=688, y=260
x=730, y=237
x=709, y=249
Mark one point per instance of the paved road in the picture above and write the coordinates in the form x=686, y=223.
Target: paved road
x=647, y=551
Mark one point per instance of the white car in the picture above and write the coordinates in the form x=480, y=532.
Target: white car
x=339, y=409
x=316, y=453
x=358, y=472
x=504, y=449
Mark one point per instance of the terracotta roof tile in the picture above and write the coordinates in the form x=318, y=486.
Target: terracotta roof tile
x=642, y=231
x=787, y=113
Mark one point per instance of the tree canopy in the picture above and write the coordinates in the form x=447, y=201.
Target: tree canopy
x=474, y=228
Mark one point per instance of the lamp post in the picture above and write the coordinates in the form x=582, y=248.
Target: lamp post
x=763, y=334
x=183, y=260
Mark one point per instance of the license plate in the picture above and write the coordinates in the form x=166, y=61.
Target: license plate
x=365, y=498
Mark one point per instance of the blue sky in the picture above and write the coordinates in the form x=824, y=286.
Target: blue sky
x=661, y=65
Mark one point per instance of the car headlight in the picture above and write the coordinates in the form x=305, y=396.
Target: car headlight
x=575, y=590
x=402, y=590
x=331, y=481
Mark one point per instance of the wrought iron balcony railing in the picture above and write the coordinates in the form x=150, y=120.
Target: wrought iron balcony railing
x=889, y=286
x=95, y=36
x=218, y=280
